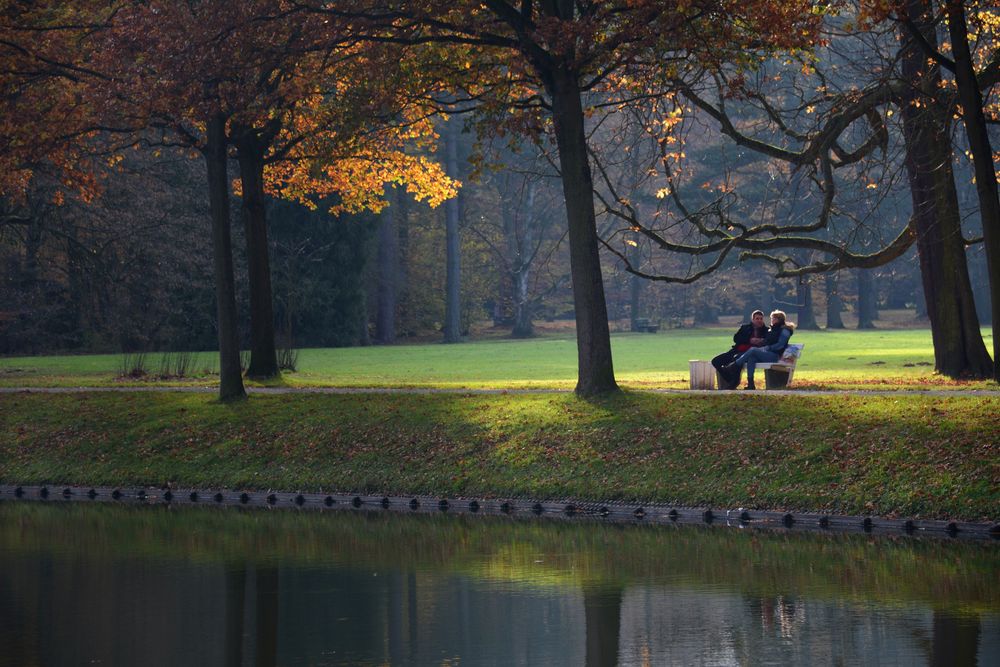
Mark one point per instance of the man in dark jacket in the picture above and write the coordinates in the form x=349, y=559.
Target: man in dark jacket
x=752, y=334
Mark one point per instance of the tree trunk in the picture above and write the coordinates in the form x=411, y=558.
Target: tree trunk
x=267, y=615
x=263, y=356
x=230, y=376
x=768, y=301
x=30, y=265
x=520, y=248
x=954, y=639
x=980, y=284
x=602, y=608
x=78, y=312
x=958, y=345
x=403, y=252
x=453, y=303
x=834, y=306
x=982, y=158
x=364, y=335
x=705, y=314
x=867, y=307
x=595, y=371
x=636, y=287
x=388, y=263
x=523, y=325
x=236, y=582
x=804, y=298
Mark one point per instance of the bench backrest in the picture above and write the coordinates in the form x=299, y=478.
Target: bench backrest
x=791, y=354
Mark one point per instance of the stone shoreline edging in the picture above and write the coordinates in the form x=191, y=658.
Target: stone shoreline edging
x=613, y=512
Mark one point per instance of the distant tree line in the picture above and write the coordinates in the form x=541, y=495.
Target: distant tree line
x=130, y=272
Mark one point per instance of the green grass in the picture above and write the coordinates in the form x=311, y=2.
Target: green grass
x=908, y=454
x=918, y=455
x=888, y=359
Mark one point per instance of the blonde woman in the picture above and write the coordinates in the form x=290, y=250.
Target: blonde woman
x=774, y=346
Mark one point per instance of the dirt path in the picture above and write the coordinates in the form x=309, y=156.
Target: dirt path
x=468, y=391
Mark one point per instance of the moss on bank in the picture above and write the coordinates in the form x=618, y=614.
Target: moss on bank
x=919, y=456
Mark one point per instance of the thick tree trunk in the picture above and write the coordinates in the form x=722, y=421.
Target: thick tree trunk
x=834, y=305
x=867, y=301
x=388, y=263
x=263, y=356
x=804, y=298
x=958, y=345
x=230, y=375
x=595, y=372
x=982, y=158
x=453, y=286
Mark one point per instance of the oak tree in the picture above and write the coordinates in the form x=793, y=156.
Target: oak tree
x=541, y=60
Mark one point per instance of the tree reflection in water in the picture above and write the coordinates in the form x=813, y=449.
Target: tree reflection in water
x=130, y=585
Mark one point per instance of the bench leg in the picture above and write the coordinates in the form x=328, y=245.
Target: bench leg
x=775, y=379
x=729, y=382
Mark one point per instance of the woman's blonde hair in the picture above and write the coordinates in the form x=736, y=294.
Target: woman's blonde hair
x=780, y=314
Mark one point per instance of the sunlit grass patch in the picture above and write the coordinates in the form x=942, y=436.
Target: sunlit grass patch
x=832, y=360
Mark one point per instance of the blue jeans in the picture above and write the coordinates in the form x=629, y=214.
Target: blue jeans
x=754, y=356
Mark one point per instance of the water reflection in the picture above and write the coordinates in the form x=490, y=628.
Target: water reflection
x=153, y=586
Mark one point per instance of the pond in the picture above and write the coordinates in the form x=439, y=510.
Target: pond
x=136, y=585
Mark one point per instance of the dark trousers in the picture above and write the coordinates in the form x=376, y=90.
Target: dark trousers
x=727, y=379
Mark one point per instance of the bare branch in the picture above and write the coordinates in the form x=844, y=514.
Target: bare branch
x=842, y=258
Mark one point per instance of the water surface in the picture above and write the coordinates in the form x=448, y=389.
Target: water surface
x=120, y=585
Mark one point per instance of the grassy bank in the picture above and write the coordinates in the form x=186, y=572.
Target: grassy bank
x=832, y=360
x=919, y=456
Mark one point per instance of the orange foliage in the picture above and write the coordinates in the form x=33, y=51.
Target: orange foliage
x=45, y=119
x=346, y=115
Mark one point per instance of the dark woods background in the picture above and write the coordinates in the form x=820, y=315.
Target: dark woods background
x=131, y=270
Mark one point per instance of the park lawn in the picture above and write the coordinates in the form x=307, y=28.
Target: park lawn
x=911, y=455
x=881, y=359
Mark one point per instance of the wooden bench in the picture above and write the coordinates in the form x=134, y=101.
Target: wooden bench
x=778, y=374
x=643, y=324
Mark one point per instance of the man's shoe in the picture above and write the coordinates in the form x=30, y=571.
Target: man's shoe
x=750, y=386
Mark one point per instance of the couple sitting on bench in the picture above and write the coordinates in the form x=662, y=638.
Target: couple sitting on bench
x=754, y=344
